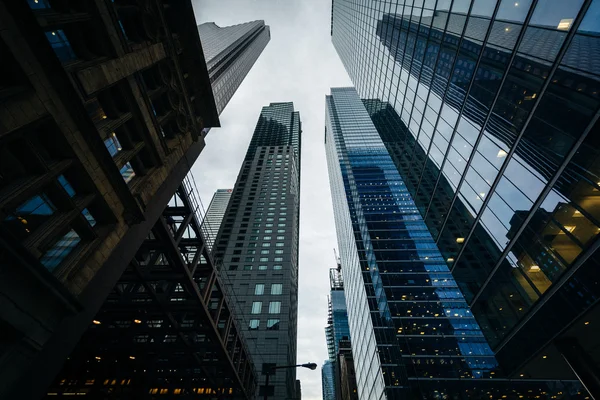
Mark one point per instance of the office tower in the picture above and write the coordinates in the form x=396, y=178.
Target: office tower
x=491, y=107
x=230, y=52
x=167, y=327
x=103, y=106
x=412, y=331
x=327, y=380
x=257, y=245
x=214, y=215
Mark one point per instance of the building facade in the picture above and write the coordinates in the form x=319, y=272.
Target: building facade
x=103, y=110
x=257, y=246
x=167, y=328
x=413, y=334
x=230, y=52
x=328, y=380
x=490, y=113
x=214, y=215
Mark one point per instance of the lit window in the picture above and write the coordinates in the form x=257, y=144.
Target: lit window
x=280, y=244
x=276, y=288
x=262, y=267
x=460, y=240
x=256, y=307
x=259, y=289
x=277, y=267
x=274, y=307
x=89, y=217
x=278, y=259
x=112, y=144
x=254, y=324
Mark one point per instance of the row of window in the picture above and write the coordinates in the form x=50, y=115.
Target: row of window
x=272, y=324
x=274, y=307
x=276, y=288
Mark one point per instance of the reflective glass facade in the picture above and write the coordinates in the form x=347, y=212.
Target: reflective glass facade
x=327, y=381
x=214, y=214
x=489, y=110
x=230, y=52
x=412, y=330
x=257, y=246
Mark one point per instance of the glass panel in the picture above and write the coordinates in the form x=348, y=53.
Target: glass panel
x=66, y=185
x=276, y=288
x=274, y=307
x=127, y=172
x=256, y=307
x=60, y=250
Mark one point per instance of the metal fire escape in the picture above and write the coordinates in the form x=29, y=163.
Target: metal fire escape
x=166, y=330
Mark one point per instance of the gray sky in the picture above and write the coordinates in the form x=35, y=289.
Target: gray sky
x=299, y=64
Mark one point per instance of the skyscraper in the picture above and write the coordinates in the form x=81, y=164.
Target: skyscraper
x=103, y=106
x=214, y=215
x=257, y=245
x=337, y=328
x=230, y=52
x=490, y=112
x=327, y=381
x=413, y=333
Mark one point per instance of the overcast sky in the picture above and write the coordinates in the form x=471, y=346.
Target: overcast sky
x=299, y=64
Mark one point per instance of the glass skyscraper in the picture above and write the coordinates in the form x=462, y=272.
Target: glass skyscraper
x=214, y=215
x=489, y=110
x=257, y=246
x=413, y=333
x=230, y=52
x=327, y=380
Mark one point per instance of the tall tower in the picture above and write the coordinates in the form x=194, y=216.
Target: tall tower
x=413, y=333
x=230, y=52
x=489, y=109
x=327, y=381
x=214, y=215
x=257, y=245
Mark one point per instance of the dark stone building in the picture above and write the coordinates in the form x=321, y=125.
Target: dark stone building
x=103, y=109
x=257, y=246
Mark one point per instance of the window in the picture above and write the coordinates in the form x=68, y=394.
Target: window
x=60, y=250
x=257, y=307
x=233, y=267
x=268, y=230
x=259, y=289
x=250, y=244
x=262, y=267
x=253, y=238
x=278, y=251
x=251, y=252
x=66, y=185
x=264, y=259
x=278, y=259
x=269, y=225
x=266, y=251
x=280, y=237
x=276, y=288
x=266, y=244
x=274, y=307
x=254, y=323
x=280, y=244
x=267, y=238
x=277, y=267
x=249, y=259
x=280, y=230
x=247, y=267
x=273, y=324
x=281, y=225
x=283, y=219
x=127, y=172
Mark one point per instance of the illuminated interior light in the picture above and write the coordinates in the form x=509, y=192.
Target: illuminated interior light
x=570, y=228
x=534, y=268
x=460, y=240
x=137, y=321
x=501, y=153
x=565, y=24
x=516, y=4
x=544, y=357
x=450, y=259
x=507, y=29
x=586, y=323
x=96, y=322
x=98, y=358
x=131, y=357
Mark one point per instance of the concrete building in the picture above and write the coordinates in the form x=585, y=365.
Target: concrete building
x=257, y=245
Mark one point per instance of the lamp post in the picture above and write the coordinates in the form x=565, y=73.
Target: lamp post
x=311, y=366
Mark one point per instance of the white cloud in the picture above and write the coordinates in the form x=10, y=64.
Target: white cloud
x=299, y=64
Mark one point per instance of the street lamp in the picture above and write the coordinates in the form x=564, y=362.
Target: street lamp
x=311, y=366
